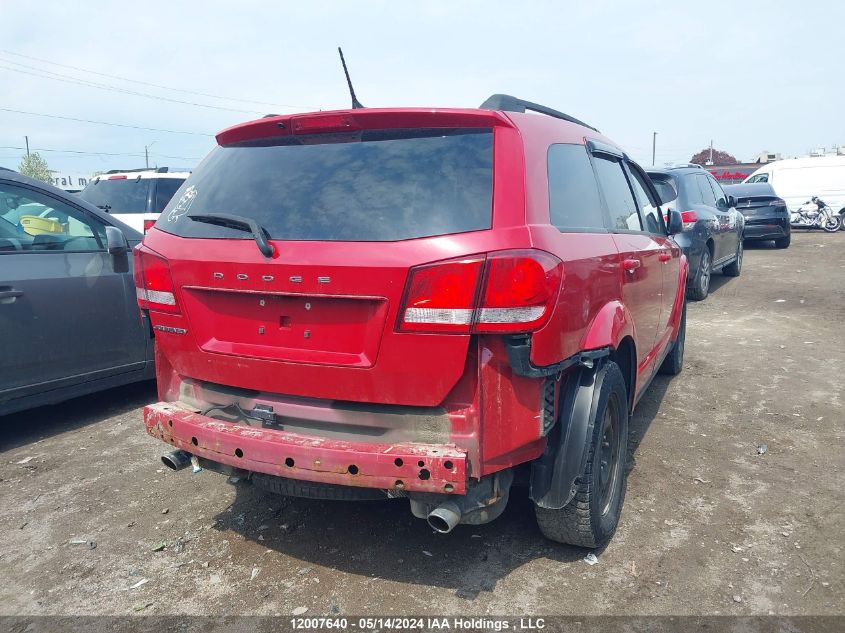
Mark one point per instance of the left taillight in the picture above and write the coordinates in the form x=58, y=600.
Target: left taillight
x=500, y=292
x=689, y=218
x=520, y=290
x=153, y=283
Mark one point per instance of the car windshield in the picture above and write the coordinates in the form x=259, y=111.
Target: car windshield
x=121, y=195
x=377, y=185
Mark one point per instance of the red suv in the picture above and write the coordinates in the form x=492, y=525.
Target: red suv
x=418, y=303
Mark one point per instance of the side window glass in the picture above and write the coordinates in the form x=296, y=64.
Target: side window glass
x=33, y=221
x=620, y=201
x=650, y=213
x=706, y=190
x=165, y=188
x=721, y=198
x=574, y=201
x=691, y=190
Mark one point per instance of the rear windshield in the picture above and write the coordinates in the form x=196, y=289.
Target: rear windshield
x=118, y=196
x=371, y=186
x=665, y=188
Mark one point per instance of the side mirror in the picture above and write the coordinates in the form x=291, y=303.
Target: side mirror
x=676, y=223
x=116, y=242
x=118, y=247
x=731, y=202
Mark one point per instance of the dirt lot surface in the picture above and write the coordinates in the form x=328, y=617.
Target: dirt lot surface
x=93, y=524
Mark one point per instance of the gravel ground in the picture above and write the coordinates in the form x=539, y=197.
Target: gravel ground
x=93, y=524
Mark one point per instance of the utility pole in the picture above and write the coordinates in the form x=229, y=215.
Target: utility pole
x=653, y=147
x=711, y=152
x=147, y=154
x=27, y=146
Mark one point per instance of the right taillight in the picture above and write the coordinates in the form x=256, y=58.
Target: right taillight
x=501, y=292
x=153, y=283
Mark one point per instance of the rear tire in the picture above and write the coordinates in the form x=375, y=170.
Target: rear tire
x=783, y=242
x=700, y=286
x=735, y=267
x=591, y=517
x=832, y=224
x=674, y=362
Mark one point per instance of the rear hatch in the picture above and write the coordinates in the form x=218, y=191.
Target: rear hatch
x=757, y=205
x=350, y=205
x=119, y=194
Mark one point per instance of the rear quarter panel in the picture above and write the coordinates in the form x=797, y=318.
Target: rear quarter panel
x=592, y=277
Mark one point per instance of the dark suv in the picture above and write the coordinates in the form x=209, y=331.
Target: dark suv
x=712, y=235
x=426, y=304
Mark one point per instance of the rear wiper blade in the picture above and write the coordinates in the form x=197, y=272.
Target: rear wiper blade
x=240, y=223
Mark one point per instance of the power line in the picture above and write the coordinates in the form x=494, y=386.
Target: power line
x=152, y=85
x=46, y=74
x=133, y=127
x=84, y=153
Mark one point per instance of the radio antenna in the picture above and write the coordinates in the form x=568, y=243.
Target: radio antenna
x=355, y=103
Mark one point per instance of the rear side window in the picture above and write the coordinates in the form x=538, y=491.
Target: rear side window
x=165, y=188
x=370, y=186
x=721, y=198
x=707, y=195
x=127, y=195
x=617, y=194
x=574, y=201
x=649, y=213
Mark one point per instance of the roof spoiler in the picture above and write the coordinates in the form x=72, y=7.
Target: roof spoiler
x=508, y=103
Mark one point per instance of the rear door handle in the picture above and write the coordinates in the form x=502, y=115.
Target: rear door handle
x=631, y=264
x=664, y=257
x=9, y=296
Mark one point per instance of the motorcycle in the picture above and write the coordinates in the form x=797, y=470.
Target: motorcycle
x=815, y=213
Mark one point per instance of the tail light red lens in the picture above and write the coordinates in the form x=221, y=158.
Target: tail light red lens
x=442, y=296
x=519, y=291
x=504, y=292
x=148, y=224
x=153, y=283
x=689, y=218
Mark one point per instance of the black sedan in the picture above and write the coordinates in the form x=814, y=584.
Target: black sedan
x=766, y=215
x=69, y=320
x=712, y=235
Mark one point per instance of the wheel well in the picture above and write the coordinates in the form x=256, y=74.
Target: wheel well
x=625, y=356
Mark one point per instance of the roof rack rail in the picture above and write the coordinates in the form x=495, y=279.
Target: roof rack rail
x=129, y=171
x=688, y=165
x=515, y=104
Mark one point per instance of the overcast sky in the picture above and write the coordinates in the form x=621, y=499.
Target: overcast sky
x=752, y=76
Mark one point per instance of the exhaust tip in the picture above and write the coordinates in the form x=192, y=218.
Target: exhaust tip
x=177, y=460
x=444, y=517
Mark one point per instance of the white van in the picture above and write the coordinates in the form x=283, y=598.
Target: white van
x=796, y=180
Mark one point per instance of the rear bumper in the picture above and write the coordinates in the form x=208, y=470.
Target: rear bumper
x=418, y=467
x=765, y=228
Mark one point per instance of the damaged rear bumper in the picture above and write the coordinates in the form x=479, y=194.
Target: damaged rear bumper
x=417, y=467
